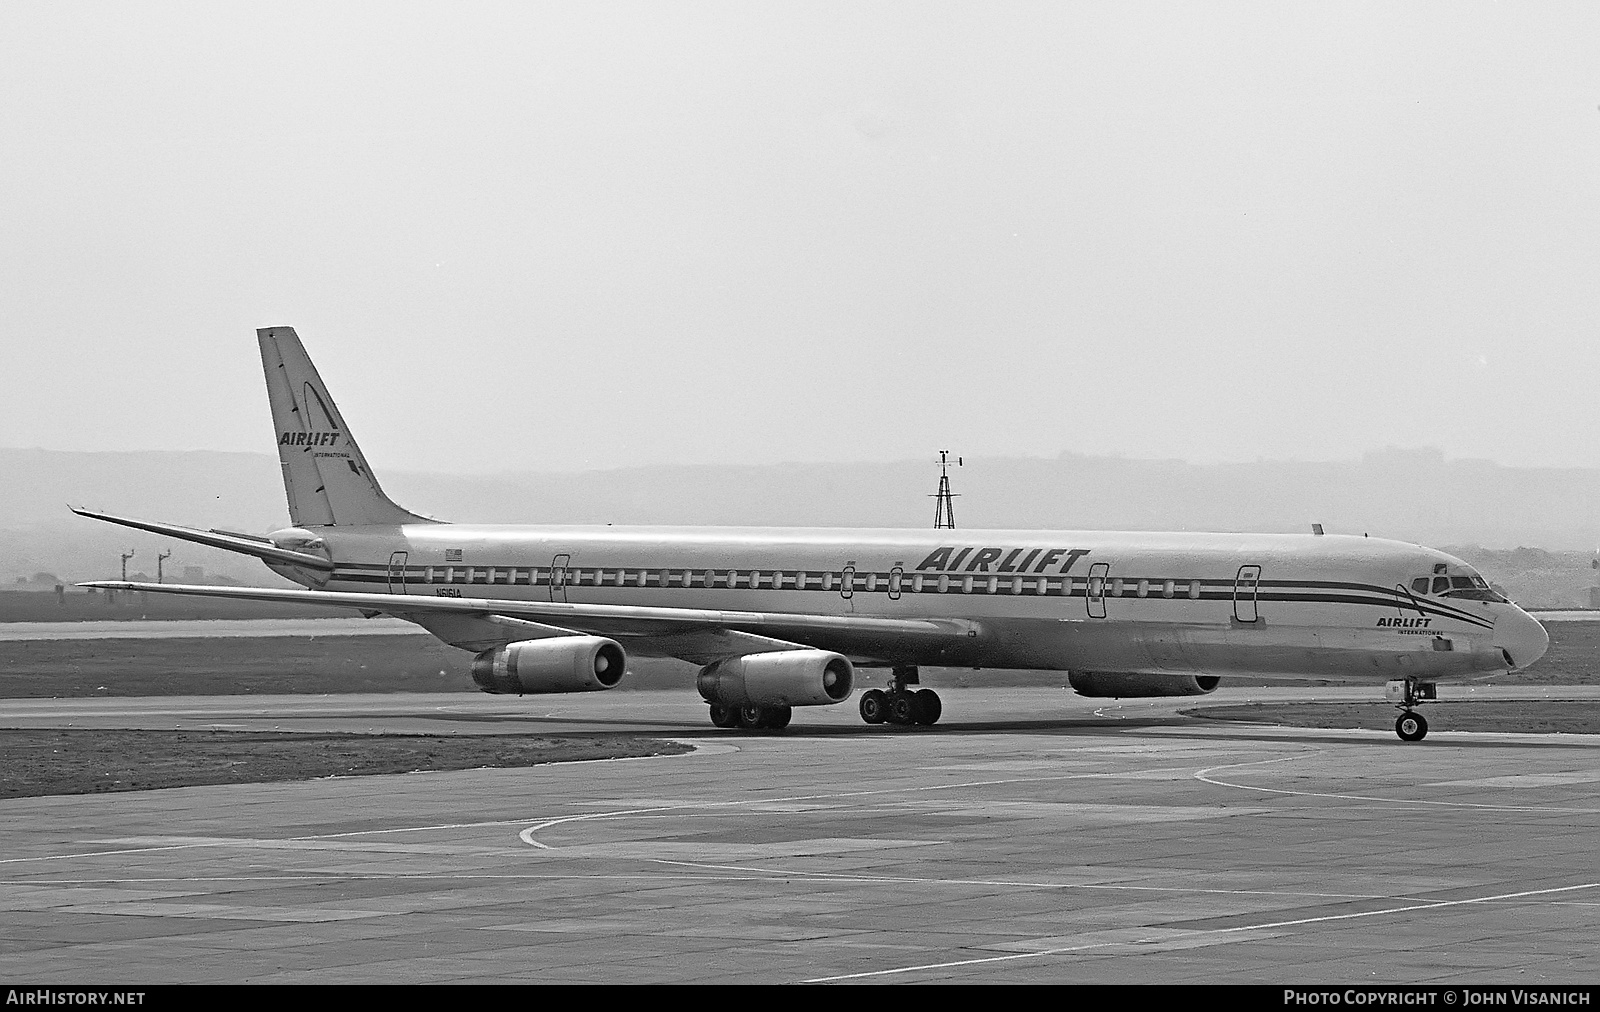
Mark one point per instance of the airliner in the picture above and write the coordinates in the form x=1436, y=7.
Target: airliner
x=778, y=618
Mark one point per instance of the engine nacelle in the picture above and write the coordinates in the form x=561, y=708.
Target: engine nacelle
x=781, y=678
x=560, y=664
x=1125, y=686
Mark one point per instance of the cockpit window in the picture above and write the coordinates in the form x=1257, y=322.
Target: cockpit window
x=1472, y=588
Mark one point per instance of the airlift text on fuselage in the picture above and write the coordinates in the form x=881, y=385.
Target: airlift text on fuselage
x=308, y=438
x=949, y=559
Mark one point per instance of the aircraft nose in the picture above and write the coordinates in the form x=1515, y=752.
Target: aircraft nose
x=1520, y=637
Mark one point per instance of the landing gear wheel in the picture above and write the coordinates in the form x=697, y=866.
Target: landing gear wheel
x=752, y=717
x=724, y=716
x=1411, y=726
x=927, y=706
x=778, y=716
x=874, y=706
x=902, y=710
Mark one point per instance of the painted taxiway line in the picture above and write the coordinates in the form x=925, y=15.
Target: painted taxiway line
x=835, y=876
x=1266, y=728
x=700, y=749
x=1203, y=778
x=527, y=835
x=1207, y=933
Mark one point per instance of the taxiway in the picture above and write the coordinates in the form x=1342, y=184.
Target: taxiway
x=1084, y=842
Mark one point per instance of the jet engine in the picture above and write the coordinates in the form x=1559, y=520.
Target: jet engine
x=560, y=664
x=1125, y=686
x=781, y=678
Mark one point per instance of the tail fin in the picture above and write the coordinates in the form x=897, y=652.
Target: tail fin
x=325, y=476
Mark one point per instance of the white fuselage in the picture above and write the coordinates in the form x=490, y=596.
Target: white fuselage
x=1208, y=604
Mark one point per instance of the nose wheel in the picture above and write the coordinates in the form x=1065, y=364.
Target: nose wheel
x=900, y=704
x=1410, y=725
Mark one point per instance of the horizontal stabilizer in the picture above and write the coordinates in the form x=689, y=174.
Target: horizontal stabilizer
x=244, y=544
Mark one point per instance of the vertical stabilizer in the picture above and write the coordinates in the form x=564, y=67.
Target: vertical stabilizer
x=325, y=476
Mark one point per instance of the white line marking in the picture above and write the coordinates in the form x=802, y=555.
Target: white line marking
x=1202, y=777
x=527, y=834
x=1200, y=934
x=824, y=876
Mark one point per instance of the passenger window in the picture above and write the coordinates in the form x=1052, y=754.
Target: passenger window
x=1194, y=590
x=1419, y=585
x=1144, y=588
x=1441, y=584
x=1168, y=587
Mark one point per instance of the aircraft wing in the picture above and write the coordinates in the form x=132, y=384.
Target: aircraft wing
x=912, y=639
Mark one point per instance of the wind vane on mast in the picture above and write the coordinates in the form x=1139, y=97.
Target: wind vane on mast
x=944, y=507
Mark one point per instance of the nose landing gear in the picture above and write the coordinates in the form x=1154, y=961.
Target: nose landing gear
x=900, y=705
x=1410, y=725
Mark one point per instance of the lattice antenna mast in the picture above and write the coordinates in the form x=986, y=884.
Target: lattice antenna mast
x=944, y=506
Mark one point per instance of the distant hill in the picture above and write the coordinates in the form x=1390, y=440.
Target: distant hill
x=1413, y=495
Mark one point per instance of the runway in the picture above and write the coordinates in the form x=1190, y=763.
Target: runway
x=1036, y=837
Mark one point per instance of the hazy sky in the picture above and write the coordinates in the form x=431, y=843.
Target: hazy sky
x=593, y=235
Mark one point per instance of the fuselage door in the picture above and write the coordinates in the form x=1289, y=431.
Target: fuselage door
x=1095, y=592
x=1244, y=594
x=397, y=573
x=558, y=577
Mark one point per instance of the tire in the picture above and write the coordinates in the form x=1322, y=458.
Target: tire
x=927, y=706
x=901, y=708
x=724, y=716
x=752, y=717
x=874, y=706
x=779, y=716
x=1411, y=726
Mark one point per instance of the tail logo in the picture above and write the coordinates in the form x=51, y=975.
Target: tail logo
x=308, y=438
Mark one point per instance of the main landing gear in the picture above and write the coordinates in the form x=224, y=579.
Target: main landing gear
x=900, y=705
x=751, y=718
x=1410, y=725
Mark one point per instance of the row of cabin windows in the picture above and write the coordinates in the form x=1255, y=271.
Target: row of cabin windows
x=893, y=582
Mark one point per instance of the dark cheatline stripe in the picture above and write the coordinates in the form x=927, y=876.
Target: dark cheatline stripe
x=1284, y=591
